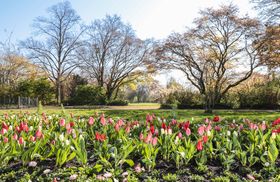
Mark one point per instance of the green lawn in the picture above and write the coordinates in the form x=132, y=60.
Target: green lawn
x=140, y=114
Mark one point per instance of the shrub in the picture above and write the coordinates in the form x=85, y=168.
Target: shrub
x=117, y=102
x=168, y=106
x=88, y=95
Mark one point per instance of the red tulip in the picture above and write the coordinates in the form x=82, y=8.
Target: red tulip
x=72, y=124
x=199, y=145
x=20, y=140
x=276, y=130
x=100, y=137
x=186, y=125
x=163, y=126
x=216, y=119
x=5, y=126
x=205, y=138
x=276, y=122
x=152, y=129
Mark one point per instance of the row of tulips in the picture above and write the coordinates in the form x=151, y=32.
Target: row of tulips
x=116, y=145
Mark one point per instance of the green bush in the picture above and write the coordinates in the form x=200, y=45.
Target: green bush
x=117, y=102
x=88, y=95
x=168, y=106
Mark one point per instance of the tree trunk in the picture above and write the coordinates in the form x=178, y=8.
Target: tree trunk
x=209, y=104
x=109, y=95
x=58, y=92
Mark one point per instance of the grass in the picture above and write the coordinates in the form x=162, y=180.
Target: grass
x=139, y=112
x=144, y=104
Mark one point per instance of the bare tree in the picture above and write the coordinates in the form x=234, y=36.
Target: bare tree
x=113, y=54
x=57, y=39
x=216, y=55
x=13, y=65
x=270, y=52
x=269, y=10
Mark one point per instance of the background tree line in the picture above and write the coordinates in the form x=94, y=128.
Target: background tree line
x=106, y=63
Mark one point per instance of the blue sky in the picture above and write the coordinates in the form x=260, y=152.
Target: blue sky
x=149, y=18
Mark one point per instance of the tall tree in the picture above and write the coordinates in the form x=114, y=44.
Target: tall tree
x=269, y=10
x=270, y=52
x=58, y=36
x=216, y=55
x=113, y=53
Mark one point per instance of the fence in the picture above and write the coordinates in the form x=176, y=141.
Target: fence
x=8, y=102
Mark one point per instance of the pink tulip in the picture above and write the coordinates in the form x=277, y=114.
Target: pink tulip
x=188, y=131
x=217, y=128
x=208, y=128
x=110, y=121
x=38, y=134
x=103, y=120
x=127, y=129
x=253, y=126
x=69, y=131
x=241, y=127
x=141, y=137
x=201, y=130
x=91, y=121
x=117, y=127
x=3, y=131
x=32, y=139
x=120, y=122
x=154, y=141
x=62, y=122
x=53, y=142
x=149, y=138
x=15, y=136
x=173, y=122
x=263, y=126
x=17, y=128
x=149, y=118
x=68, y=126
x=180, y=135
x=6, y=140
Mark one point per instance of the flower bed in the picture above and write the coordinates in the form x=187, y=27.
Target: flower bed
x=59, y=147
